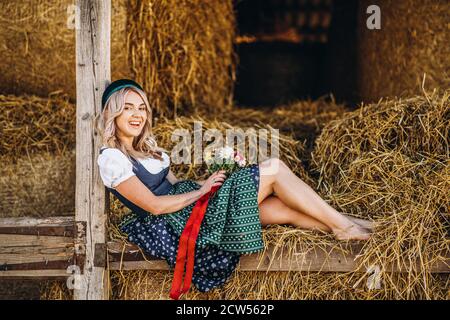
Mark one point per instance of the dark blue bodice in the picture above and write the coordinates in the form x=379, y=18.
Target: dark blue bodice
x=156, y=183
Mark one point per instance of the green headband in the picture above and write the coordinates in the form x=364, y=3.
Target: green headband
x=116, y=86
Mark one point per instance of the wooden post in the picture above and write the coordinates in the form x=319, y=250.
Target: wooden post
x=92, y=76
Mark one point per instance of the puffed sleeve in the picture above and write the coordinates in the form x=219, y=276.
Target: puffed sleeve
x=115, y=167
x=166, y=160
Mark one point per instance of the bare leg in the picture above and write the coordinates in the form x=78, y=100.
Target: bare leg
x=276, y=177
x=273, y=211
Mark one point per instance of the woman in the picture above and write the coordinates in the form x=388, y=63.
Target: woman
x=134, y=169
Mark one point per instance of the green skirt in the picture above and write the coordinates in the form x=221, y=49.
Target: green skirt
x=232, y=217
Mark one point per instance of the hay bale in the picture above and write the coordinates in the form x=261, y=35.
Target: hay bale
x=413, y=40
x=30, y=125
x=37, y=41
x=39, y=185
x=389, y=161
x=305, y=121
x=182, y=53
x=416, y=127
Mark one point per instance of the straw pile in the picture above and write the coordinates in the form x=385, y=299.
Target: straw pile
x=30, y=125
x=303, y=120
x=155, y=285
x=413, y=40
x=38, y=39
x=37, y=176
x=390, y=161
x=181, y=51
x=39, y=185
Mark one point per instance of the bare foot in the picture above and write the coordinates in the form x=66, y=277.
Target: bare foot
x=352, y=232
x=366, y=224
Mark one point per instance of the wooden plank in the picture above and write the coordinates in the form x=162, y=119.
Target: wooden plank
x=92, y=77
x=40, y=231
x=42, y=265
x=53, y=226
x=314, y=259
x=19, y=241
x=34, y=274
x=129, y=257
x=15, y=222
x=7, y=259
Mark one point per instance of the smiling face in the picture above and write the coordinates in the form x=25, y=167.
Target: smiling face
x=133, y=117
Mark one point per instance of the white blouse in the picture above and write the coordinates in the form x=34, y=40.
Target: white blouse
x=115, y=167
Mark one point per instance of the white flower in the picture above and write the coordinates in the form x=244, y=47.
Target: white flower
x=226, y=153
x=242, y=163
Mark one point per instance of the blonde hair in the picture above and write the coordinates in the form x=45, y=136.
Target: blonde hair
x=144, y=145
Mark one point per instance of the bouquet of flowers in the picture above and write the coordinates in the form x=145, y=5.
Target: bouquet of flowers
x=224, y=159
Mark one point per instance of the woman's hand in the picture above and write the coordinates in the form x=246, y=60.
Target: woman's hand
x=214, y=180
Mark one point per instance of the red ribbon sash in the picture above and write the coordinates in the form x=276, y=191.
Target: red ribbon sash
x=186, y=247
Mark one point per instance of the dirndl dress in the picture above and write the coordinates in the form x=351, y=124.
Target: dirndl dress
x=231, y=226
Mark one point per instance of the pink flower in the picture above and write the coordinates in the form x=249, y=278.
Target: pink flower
x=238, y=157
x=242, y=163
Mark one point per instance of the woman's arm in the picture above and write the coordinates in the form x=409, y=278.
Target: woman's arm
x=200, y=182
x=135, y=191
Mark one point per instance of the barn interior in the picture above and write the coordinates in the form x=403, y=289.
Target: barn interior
x=290, y=50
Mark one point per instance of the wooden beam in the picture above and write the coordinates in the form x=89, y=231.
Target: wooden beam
x=129, y=257
x=18, y=222
x=92, y=77
x=49, y=274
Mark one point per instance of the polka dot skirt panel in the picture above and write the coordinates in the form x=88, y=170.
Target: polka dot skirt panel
x=212, y=266
x=254, y=171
